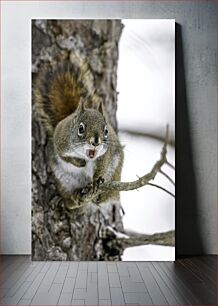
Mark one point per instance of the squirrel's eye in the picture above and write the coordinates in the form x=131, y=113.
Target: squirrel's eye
x=81, y=129
x=106, y=132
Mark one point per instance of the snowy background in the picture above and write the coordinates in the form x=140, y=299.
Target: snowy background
x=146, y=103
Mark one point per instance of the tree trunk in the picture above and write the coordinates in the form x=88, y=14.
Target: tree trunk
x=82, y=234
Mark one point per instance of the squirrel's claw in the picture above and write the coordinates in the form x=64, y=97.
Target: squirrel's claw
x=78, y=197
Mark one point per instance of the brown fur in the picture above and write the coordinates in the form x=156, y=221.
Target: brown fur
x=60, y=97
x=57, y=93
x=65, y=94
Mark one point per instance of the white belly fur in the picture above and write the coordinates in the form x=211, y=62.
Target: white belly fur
x=72, y=177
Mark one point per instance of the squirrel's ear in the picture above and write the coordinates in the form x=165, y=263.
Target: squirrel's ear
x=101, y=108
x=87, y=104
x=81, y=106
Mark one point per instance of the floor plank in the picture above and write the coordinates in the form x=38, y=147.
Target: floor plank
x=208, y=275
x=166, y=289
x=154, y=290
x=204, y=291
x=172, y=281
x=188, y=281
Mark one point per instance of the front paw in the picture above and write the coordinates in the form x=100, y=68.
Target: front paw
x=76, y=200
x=73, y=203
x=96, y=184
x=86, y=190
x=100, y=181
x=93, y=187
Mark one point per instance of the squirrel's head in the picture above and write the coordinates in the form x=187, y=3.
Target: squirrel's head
x=84, y=134
x=90, y=135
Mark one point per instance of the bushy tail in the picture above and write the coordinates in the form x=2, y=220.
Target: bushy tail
x=58, y=93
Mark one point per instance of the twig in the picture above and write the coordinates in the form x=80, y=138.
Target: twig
x=167, y=176
x=162, y=188
x=170, y=165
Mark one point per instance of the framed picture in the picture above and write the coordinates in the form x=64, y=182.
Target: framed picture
x=103, y=139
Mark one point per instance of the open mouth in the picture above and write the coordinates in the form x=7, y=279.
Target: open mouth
x=91, y=153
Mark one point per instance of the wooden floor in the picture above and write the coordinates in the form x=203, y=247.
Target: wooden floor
x=189, y=281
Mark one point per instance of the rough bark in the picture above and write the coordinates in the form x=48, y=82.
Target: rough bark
x=81, y=234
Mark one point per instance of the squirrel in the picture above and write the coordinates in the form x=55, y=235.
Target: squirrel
x=84, y=149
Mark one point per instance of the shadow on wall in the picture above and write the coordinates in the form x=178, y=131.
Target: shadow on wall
x=188, y=234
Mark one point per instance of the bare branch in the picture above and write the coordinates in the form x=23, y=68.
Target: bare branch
x=166, y=238
x=130, y=238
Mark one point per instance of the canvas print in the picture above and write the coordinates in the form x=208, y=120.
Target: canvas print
x=103, y=140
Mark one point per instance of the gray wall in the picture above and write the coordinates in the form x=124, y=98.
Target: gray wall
x=196, y=113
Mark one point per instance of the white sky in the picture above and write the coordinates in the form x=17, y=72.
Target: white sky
x=146, y=102
x=146, y=74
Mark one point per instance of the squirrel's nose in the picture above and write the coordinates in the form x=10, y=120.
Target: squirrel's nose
x=94, y=141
